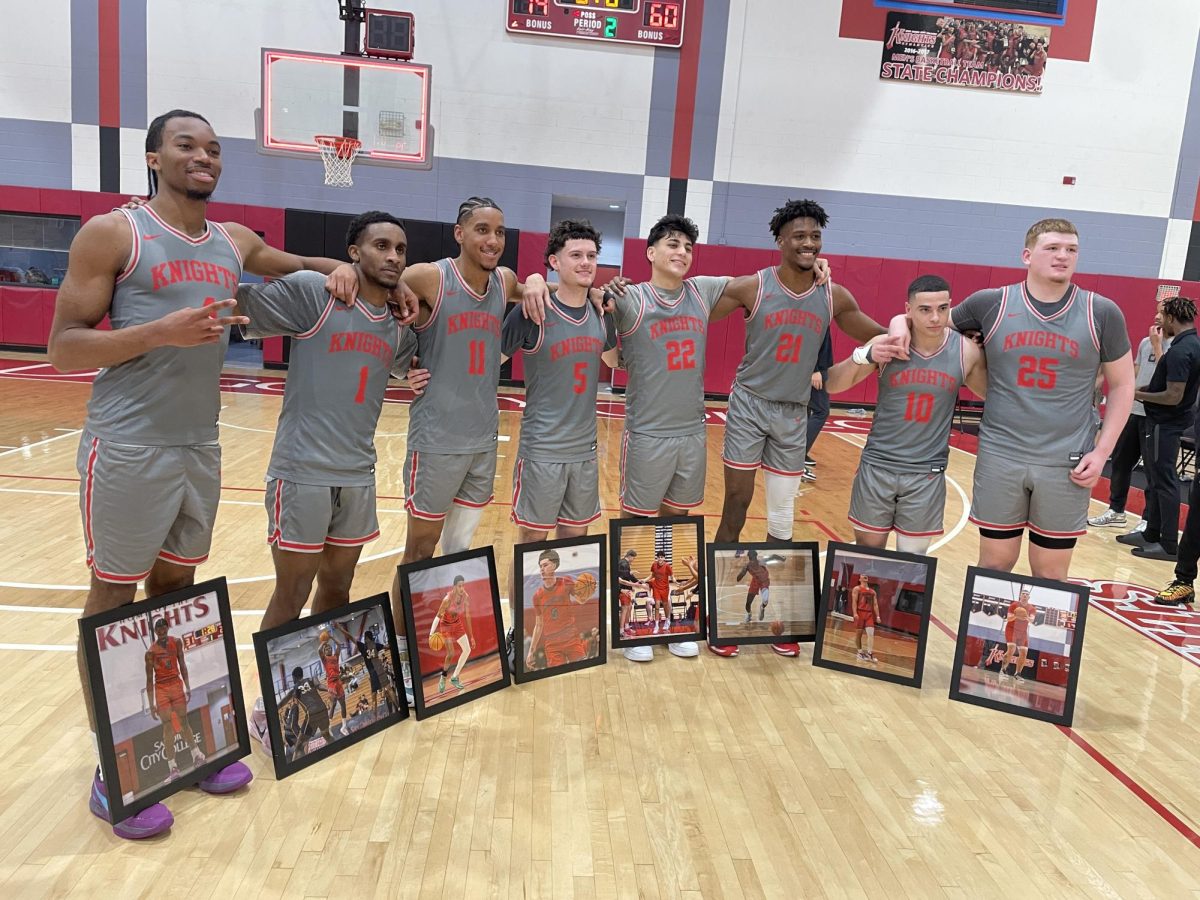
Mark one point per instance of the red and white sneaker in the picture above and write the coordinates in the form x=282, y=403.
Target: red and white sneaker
x=726, y=652
x=786, y=649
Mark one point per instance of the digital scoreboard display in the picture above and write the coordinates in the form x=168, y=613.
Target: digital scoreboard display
x=656, y=23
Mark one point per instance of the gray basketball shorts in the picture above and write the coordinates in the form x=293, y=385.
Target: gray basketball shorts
x=546, y=495
x=434, y=481
x=1009, y=494
x=910, y=503
x=303, y=518
x=142, y=504
x=765, y=433
x=658, y=470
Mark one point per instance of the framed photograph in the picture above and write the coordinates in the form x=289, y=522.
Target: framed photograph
x=762, y=593
x=166, y=692
x=558, y=611
x=874, y=615
x=455, y=629
x=657, y=568
x=1020, y=640
x=328, y=681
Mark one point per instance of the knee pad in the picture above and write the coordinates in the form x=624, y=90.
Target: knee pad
x=459, y=529
x=909, y=543
x=781, y=504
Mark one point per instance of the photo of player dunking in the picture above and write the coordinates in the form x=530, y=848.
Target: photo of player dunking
x=453, y=608
x=1018, y=644
x=329, y=653
x=880, y=628
x=168, y=690
x=561, y=615
x=762, y=593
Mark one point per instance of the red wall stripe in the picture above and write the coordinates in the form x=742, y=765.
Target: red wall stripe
x=863, y=20
x=109, y=38
x=685, y=92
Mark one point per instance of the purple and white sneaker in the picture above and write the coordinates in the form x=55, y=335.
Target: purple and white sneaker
x=151, y=821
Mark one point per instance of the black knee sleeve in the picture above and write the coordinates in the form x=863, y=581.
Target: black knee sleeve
x=1001, y=534
x=1051, y=543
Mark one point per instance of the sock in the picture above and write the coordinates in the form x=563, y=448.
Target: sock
x=870, y=640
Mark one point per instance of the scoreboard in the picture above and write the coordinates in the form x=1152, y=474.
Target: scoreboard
x=656, y=23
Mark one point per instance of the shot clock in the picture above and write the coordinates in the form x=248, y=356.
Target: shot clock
x=656, y=23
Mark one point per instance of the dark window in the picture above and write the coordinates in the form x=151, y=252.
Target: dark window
x=33, y=249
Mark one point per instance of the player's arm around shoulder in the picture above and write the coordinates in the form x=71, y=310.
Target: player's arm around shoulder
x=739, y=293
x=974, y=369
x=424, y=280
x=260, y=258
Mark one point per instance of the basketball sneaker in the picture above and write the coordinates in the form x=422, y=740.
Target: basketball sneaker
x=726, y=652
x=786, y=649
x=1109, y=518
x=686, y=649
x=227, y=780
x=345, y=731
x=442, y=684
x=150, y=821
x=748, y=620
x=1177, y=593
x=808, y=475
x=258, y=725
x=810, y=462
x=762, y=612
x=458, y=684
x=639, y=654
x=197, y=756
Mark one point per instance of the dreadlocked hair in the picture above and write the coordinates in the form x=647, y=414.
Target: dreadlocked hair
x=468, y=206
x=797, y=209
x=154, y=138
x=1181, y=309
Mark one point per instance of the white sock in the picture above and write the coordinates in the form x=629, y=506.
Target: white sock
x=870, y=640
x=907, y=543
x=465, y=646
x=781, y=504
x=459, y=529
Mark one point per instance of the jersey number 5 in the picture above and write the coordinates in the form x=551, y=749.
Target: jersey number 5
x=681, y=355
x=581, y=376
x=1039, y=373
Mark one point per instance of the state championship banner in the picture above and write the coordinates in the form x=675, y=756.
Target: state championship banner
x=971, y=53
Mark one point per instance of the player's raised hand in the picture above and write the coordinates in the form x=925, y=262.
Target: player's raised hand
x=403, y=304
x=342, y=283
x=418, y=379
x=535, y=298
x=821, y=270
x=617, y=287
x=1088, y=472
x=198, y=324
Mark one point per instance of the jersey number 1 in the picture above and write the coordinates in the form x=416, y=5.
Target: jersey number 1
x=363, y=374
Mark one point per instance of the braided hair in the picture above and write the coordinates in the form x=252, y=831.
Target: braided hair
x=154, y=138
x=1181, y=309
x=797, y=209
x=467, y=208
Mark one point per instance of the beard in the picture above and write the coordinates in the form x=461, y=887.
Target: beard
x=193, y=194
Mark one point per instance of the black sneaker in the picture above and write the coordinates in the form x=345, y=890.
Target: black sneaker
x=1177, y=593
x=810, y=462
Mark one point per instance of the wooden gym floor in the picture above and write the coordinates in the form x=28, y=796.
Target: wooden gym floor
x=749, y=777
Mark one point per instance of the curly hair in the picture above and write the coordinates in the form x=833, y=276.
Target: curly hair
x=673, y=223
x=797, y=209
x=1181, y=309
x=570, y=230
x=360, y=223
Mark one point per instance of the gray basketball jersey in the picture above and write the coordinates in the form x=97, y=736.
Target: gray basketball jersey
x=911, y=428
x=562, y=369
x=783, y=336
x=168, y=396
x=460, y=346
x=663, y=339
x=1041, y=375
x=338, y=371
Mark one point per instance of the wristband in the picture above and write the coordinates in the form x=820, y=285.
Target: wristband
x=861, y=356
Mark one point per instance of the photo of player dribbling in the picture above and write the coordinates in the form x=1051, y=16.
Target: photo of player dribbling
x=167, y=694
x=451, y=608
x=557, y=609
x=763, y=593
x=874, y=615
x=658, y=587
x=326, y=682
x=1020, y=640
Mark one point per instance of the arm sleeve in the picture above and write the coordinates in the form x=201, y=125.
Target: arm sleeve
x=978, y=312
x=405, y=351
x=610, y=332
x=1114, y=336
x=518, y=333
x=710, y=288
x=286, y=306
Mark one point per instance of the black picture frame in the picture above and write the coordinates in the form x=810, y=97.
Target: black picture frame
x=275, y=645
x=523, y=554
x=900, y=621
x=421, y=581
x=198, y=615
x=693, y=528
x=734, y=634
x=1044, y=698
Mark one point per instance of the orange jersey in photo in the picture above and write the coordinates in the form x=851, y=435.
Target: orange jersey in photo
x=453, y=623
x=166, y=662
x=557, y=610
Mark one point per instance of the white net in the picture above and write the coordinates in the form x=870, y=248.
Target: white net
x=338, y=154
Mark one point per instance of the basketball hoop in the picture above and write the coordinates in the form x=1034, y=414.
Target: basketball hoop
x=338, y=153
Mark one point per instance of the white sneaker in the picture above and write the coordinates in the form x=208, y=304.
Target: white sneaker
x=1110, y=517
x=345, y=730
x=684, y=648
x=258, y=725
x=639, y=654
x=656, y=626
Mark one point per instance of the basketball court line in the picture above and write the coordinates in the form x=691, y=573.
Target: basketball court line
x=57, y=437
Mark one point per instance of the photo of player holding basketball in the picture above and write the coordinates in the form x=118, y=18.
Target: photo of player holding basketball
x=326, y=683
x=1020, y=640
x=762, y=593
x=451, y=607
x=874, y=616
x=556, y=608
x=666, y=606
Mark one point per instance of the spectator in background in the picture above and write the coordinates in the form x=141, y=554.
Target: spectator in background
x=1131, y=445
x=818, y=404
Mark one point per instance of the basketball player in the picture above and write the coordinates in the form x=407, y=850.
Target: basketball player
x=329, y=652
x=1045, y=341
x=305, y=693
x=168, y=691
x=660, y=590
x=628, y=582
x=555, y=474
x=1016, y=633
x=373, y=655
x=760, y=584
x=157, y=272
x=865, y=603
x=453, y=620
x=555, y=629
x=901, y=480
x=320, y=494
